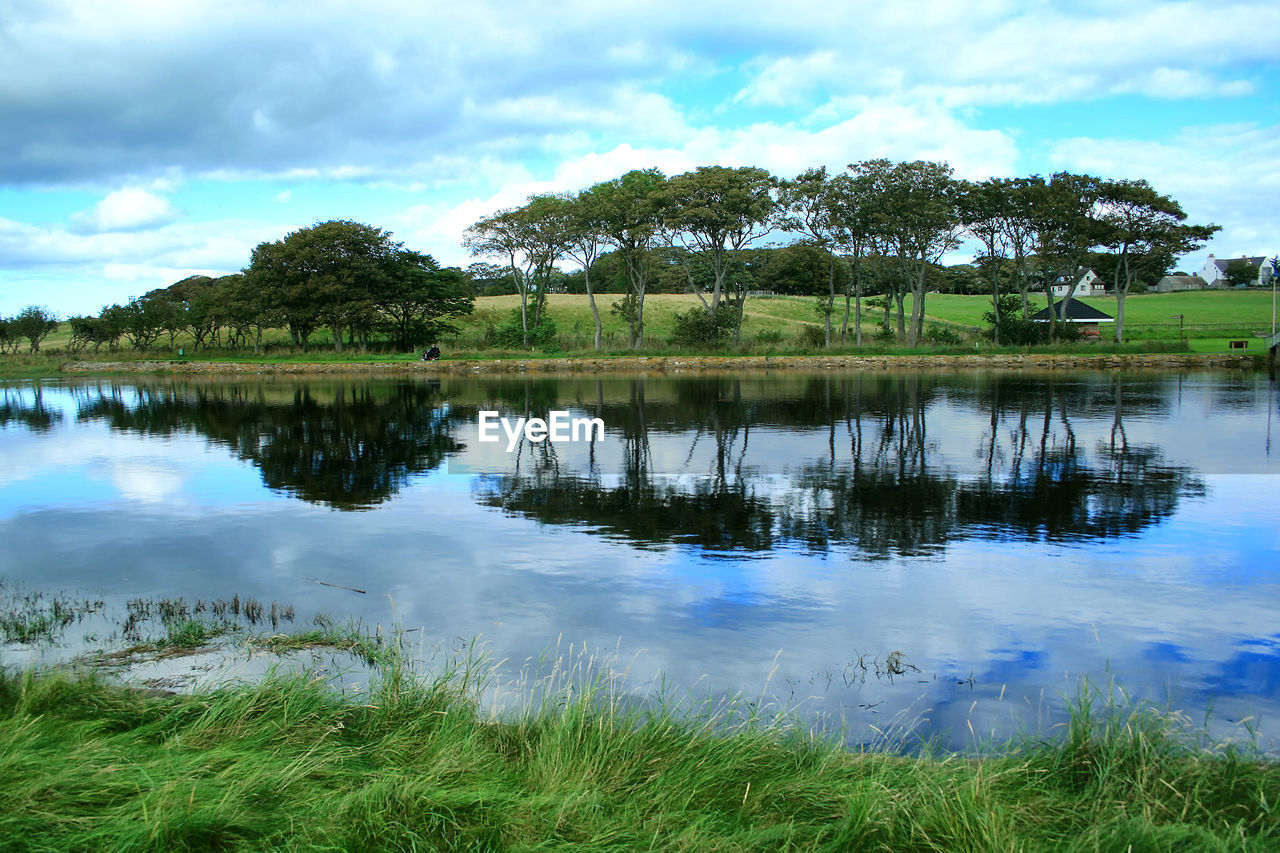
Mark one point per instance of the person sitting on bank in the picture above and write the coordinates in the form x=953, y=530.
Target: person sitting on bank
x=432, y=354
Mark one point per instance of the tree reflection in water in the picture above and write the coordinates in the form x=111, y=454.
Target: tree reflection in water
x=746, y=464
x=349, y=445
x=879, y=485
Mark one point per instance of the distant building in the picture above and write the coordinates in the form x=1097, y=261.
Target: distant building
x=1174, y=283
x=1086, y=317
x=1215, y=270
x=1087, y=284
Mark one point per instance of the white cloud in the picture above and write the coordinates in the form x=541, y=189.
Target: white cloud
x=129, y=209
x=1225, y=174
x=782, y=80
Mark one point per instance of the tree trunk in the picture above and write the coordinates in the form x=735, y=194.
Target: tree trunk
x=591, y=300
x=1122, y=290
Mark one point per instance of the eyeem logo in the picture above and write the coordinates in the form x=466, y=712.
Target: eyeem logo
x=560, y=427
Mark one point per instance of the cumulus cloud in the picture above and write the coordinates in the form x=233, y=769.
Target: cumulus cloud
x=463, y=109
x=128, y=209
x=92, y=93
x=1225, y=174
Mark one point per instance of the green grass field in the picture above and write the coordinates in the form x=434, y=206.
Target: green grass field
x=771, y=326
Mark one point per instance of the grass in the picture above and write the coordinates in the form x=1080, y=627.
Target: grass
x=771, y=327
x=291, y=764
x=575, y=761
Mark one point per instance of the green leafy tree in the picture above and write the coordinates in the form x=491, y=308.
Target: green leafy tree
x=1241, y=273
x=35, y=323
x=813, y=208
x=1066, y=227
x=715, y=212
x=532, y=239
x=917, y=217
x=584, y=244
x=1144, y=232
x=984, y=208
x=324, y=275
x=631, y=212
x=417, y=298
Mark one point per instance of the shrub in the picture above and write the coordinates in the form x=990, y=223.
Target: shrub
x=936, y=333
x=699, y=328
x=511, y=334
x=813, y=336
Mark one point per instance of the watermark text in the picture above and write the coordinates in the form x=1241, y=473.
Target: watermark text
x=559, y=426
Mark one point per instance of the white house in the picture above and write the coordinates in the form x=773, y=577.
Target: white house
x=1087, y=284
x=1215, y=270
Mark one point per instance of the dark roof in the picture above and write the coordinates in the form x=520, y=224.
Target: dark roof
x=1222, y=263
x=1183, y=279
x=1077, y=312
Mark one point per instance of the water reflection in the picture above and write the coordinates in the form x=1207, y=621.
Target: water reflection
x=27, y=408
x=885, y=464
x=1008, y=534
x=350, y=446
x=871, y=475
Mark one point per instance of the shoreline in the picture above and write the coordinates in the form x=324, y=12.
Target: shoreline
x=690, y=364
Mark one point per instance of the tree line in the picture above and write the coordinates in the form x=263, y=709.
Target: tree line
x=880, y=228
x=877, y=230
x=351, y=278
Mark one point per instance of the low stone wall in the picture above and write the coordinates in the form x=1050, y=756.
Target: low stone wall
x=690, y=364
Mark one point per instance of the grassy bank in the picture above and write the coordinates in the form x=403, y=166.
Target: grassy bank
x=290, y=764
x=775, y=326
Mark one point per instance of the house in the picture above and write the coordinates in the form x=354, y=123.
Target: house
x=1215, y=270
x=1175, y=283
x=1086, y=316
x=1087, y=284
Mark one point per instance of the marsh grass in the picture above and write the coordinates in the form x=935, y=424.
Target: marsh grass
x=33, y=616
x=418, y=763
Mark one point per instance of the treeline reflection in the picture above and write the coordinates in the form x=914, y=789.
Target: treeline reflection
x=347, y=445
x=882, y=464
x=870, y=474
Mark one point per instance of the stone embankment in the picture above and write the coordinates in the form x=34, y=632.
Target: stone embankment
x=689, y=364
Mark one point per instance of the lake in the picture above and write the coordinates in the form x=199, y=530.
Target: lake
x=899, y=555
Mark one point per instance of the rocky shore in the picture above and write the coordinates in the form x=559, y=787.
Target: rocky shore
x=692, y=364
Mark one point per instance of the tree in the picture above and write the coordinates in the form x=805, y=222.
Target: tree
x=810, y=205
x=916, y=214
x=714, y=212
x=324, y=275
x=1144, y=232
x=631, y=210
x=1241, y=273
x=1065, y=228
x=417, y=297
x=984, y=208
x=245, y=310
x=35, y=323
x=531, y=238
x=584, y=244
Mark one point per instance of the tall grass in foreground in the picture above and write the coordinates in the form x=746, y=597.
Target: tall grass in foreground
x=414, y=764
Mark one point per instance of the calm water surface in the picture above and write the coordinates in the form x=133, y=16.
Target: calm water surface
x=1001, y=535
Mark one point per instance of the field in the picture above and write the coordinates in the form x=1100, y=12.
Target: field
x=785, y=315
x=1209, y=321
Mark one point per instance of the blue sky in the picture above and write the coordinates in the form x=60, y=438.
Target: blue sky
x=142, y=142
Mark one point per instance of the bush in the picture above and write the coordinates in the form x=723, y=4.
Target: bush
x=511, y=335
x=699, y=328
x=936, y=333
x=813, y=336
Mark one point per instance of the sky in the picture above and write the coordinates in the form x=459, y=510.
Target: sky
x=145, y=141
